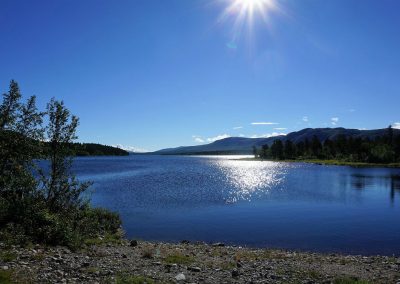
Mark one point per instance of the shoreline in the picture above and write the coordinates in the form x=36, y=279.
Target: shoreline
x=158, y=262
x=328, y=163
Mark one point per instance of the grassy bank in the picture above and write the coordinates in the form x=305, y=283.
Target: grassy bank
x=330, y=162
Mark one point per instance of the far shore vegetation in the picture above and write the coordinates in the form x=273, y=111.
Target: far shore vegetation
x=45, y=205
x=382, y=151
x=94, y=149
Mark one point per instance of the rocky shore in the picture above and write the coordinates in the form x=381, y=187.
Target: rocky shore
x=147, y=262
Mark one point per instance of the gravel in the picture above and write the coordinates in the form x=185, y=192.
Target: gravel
x=190, y=263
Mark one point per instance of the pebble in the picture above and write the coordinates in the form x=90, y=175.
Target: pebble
x=235, y=273
x=180, y=277
x=98, y=264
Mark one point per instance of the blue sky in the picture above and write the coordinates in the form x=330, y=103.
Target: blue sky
x=155, y=74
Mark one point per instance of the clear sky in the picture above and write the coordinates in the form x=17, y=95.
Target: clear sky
x=154, y=74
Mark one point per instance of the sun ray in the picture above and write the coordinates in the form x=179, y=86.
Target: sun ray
x=243, y=13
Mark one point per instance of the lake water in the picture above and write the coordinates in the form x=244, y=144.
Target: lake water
x=250, y=203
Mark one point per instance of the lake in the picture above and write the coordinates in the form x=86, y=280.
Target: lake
x=250, y=203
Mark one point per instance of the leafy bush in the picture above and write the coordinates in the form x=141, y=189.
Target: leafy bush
x=37, y=205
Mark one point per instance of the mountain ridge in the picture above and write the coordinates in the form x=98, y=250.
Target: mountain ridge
x=243, y=145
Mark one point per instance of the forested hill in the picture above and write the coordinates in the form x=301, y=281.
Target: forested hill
x=74, y=149
x=241, y=145
x=92, y=149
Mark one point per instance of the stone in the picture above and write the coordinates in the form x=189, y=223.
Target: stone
x=218, y=245
x=5, y=267
x=194, y=269
x=133, y=243
x=275, y=277
x=180, y=277
x=85, y=264
x=185, y=242
x=235, y=273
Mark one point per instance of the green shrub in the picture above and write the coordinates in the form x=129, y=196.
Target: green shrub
x=5, y=277
x=179, y=259
x=37, y=205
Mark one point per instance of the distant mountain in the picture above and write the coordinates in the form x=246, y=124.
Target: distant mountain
x=240, y=145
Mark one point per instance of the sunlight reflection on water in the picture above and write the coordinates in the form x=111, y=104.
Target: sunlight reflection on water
x=251, y=178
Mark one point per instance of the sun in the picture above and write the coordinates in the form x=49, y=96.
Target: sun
x=247, y=9
x=244, y=13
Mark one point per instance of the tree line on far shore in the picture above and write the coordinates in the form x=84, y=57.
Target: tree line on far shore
x=384, y=149
x=94, y=149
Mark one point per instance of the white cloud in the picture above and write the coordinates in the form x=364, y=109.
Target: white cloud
x=396, y=125
x=218, y=137
x=280, y=128
x=264, y=123
x=268, y=135
x=238, y=127
x=334, y=120
x=352, y=110
x=198, y=139
x=130, y=148
x=305, y=118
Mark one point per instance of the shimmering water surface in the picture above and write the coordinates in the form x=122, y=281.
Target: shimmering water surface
x=250, y=203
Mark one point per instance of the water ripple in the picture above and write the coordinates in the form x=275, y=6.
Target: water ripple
x=250, y=179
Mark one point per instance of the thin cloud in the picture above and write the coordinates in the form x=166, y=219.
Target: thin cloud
x=264, y=123
x=305, y=118
x=218, y=137
x=396, y=125
x=130, y=148
x=268, y=135
x=280, y=128
x=198, y=139
x=238, y=127
x=334, y=120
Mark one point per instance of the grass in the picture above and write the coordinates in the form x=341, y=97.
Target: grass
x=331, y=162
x=5, y=277
x=349, y=280
x=131, y=279
x=107, y=239
x=8, y=256
x=178, y=258
x=92, y=270
x=345, y=163
x=314, y=274
x=245, y=256
x=227, y=265
x=147, y=252
x=265, y=254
